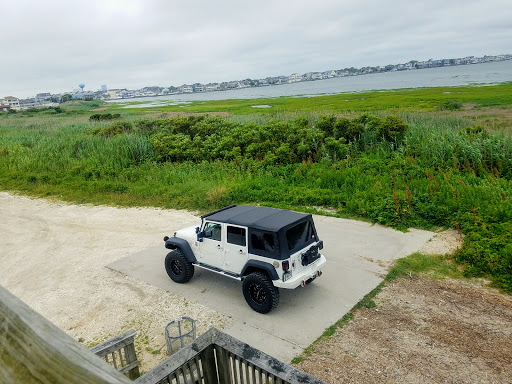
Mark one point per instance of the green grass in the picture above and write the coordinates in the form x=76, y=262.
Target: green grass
x=424, y=99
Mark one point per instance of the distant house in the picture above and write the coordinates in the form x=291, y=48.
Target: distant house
x=84, y=95
x=329, y=74
x=28, y=103
x=233, y=84
x=294, y=78
x=212, y=87
x=155, y=90
x=125, y=94
x=43, y=96
x=120, y=94
x=112, y=93
x=198, y=87
x=186, y=88
x=4, y=108
x=12, y=102
x=272, y=80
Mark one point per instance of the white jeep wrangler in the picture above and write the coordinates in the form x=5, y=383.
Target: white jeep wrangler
x=265, y=248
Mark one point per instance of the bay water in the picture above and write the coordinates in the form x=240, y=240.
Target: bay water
x=473, y=74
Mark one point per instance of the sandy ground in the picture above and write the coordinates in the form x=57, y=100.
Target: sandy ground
x=53, y=257
x=422, y=331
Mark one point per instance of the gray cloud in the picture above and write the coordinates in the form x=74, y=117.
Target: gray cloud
x=54, y=45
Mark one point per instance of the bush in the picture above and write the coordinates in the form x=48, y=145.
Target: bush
x=104, y=116
x=198, y=138
x=113, y=129
x=392, y=129
x=43, y=110
x=451, y=105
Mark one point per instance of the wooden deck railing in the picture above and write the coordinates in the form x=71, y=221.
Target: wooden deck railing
x=217, y=358
x=120, y=353
x=33, y=350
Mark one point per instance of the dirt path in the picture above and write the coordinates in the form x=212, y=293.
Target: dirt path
x=53, y=257
x=422, y=331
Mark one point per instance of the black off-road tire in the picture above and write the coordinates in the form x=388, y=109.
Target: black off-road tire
x=260, y=293
x=179, y=269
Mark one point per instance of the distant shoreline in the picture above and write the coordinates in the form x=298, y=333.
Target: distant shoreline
x=461, y=75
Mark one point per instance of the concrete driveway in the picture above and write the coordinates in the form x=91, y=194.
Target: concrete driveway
x=358, y=255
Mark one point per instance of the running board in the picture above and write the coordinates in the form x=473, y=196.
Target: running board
x=218, y=270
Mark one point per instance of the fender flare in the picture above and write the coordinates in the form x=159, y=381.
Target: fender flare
x=176, y=242
x=256, y=264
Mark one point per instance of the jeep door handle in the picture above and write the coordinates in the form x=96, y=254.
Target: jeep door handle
x=218, y=246
x=241, y=251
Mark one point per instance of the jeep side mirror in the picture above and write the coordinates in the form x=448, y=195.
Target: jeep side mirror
x=200, y=234
x=197, y=229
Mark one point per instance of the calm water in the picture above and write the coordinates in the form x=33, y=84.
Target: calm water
x=488, y=73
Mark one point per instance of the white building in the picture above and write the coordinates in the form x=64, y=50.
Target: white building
x=11, y=101
x=294, y=78
x=186, y=88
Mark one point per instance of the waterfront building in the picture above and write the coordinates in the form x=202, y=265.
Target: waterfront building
x=11, y=101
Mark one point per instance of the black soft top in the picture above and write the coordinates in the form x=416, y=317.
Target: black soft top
x=263, y=218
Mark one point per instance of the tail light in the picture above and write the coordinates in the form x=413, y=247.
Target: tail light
x=321, y=245
x=286, y=265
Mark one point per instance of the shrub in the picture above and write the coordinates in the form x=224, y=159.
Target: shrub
x=392, y=129
x=104, y=116
x=113, y=129
x=451, y=105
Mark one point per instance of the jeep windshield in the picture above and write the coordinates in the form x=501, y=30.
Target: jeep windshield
x=300, y=235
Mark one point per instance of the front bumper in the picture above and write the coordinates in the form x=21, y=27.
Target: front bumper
x=310, y=272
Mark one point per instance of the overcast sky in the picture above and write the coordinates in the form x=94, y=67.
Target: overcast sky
x=53, y=45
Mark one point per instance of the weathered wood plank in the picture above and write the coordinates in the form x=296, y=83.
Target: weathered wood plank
x=130, y=366
x=33, y=350
x=223, y=365
x=115, y=343
x=179, y=358
x=199, y=368
x=209, y=367
x=131, y=360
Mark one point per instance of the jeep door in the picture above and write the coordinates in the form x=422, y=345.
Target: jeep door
x=212, y=247
x=235, y=248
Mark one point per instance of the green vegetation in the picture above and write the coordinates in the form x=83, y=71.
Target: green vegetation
x=104, y=116
x=407, y=169
x=392, y=101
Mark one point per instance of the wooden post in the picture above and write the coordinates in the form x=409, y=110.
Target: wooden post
x=113, y=346
x=131, y=357
x=223, y=365
x=33, y=350
x=209, y=366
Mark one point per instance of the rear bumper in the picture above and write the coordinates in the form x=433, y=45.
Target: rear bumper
x=311, y=272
